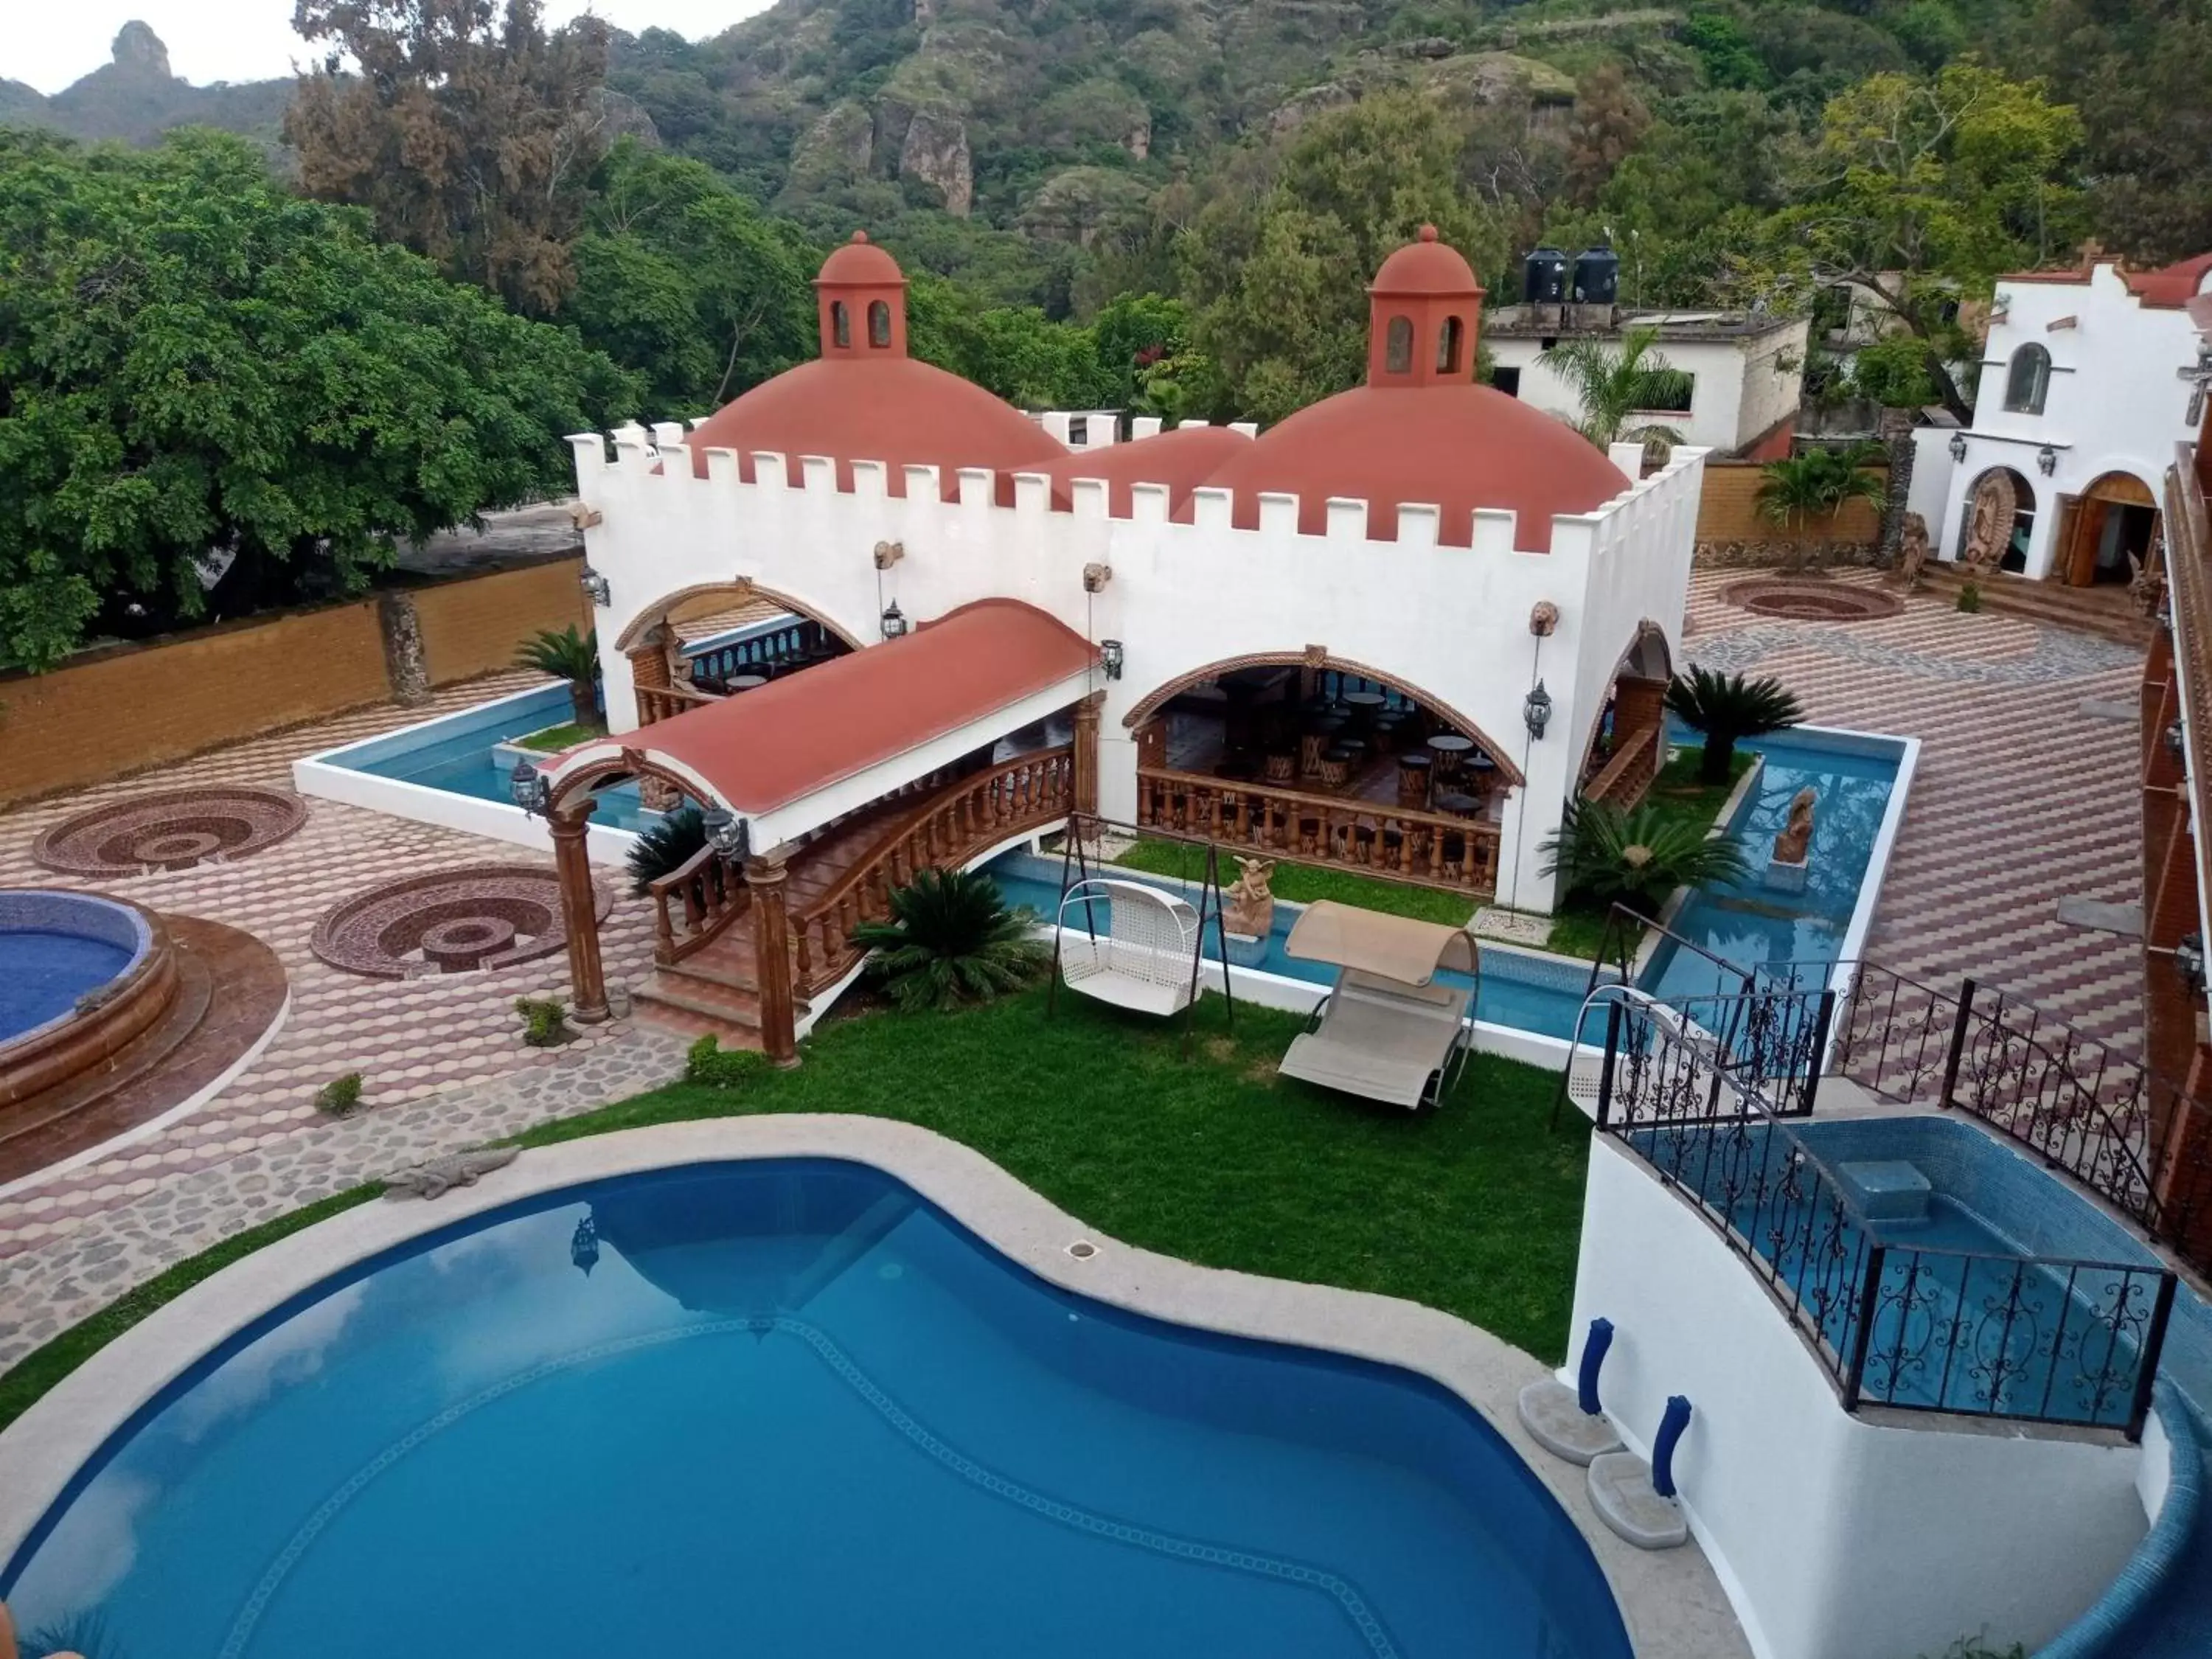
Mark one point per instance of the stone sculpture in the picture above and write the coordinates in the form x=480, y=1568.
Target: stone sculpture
x=1251, y=906
x=2146, y=583
x=440, y=1176
x=1796, y=841
x=1988, y=533
x=1913, y=553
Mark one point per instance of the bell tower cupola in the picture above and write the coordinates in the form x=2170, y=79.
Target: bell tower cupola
x=860, y=302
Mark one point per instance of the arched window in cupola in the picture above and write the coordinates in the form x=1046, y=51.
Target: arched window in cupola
x=1398, y=347
x=1450, y=345
x=879, y=323
x=841, y=323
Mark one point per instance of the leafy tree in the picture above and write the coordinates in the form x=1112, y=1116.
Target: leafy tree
x=566, y=654
x=1922, y=192
x=1635, y=858
x=1728, y=708
x=215, y=396
x=1614, y=382
x=951, y=940
x=1607, y=122
x=1818, y=484
x=469, y=131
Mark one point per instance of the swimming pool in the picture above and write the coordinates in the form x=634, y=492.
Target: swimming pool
x=790, y=1406
x=56, y=947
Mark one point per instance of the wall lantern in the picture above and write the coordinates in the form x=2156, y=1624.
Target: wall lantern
x=894, y=621
x=1111, y=656
x=2189, y=960
x=2173, y=739
x=1536, y=710
x=2046, y=460
x=527, y=787
x=727, y=833
x=596, y=588
x=1959, y=446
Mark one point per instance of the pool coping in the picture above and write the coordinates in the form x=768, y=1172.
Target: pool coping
x=1671, y=1602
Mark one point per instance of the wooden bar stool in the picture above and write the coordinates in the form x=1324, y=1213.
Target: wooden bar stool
x=1413, y=780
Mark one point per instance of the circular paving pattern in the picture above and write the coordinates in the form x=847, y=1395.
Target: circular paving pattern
x=175, y=829
x=1812, y=601
x=487, y=915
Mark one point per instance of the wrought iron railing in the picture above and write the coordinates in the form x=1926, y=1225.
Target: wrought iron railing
x=1894, y=1322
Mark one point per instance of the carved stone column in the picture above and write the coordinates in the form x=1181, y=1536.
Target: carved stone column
x=1086, y=753
x=765, y=876
x=580, y=913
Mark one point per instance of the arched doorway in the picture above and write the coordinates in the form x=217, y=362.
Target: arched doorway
x=719, y=638
x=1999, y=519
x=1314, y=757
x=2107, y=533
x=1627, y=741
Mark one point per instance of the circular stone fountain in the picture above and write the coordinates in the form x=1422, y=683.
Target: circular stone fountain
x=1801, y=601
x=171, y=829
x=488, y=915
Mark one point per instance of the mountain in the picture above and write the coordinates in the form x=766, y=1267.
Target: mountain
x=135, y=97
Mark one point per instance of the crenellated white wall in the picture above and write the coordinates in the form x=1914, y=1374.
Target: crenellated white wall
x=1451, y=622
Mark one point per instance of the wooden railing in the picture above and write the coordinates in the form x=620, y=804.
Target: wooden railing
x=660, y=702
x=1431, y=849
x=976, y=812
x=694, y=903
x=1625, y=778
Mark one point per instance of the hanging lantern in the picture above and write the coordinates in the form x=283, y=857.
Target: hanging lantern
x=894, y=621
x=596, y=588
x=1111, y=657
x=2046, y=460
x=1957, y=446
x=727, y=833
x=584, y=1246
x=2189, y=960
x=527, y=788
x=1536, y=711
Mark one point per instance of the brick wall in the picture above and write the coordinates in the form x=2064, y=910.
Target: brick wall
x=125, y=708
x=1728, y=512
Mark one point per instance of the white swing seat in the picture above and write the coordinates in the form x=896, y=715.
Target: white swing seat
x=1141, y=957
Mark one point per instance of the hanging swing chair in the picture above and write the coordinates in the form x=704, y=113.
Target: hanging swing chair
x=1140, y=959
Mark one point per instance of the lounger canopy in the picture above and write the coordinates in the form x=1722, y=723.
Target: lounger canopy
x=1387, y=947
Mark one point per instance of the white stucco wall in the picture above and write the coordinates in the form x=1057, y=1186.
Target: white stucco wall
x=2115, y=403
x=1743, y=385
x=1450, y=622
x=1836, y=1538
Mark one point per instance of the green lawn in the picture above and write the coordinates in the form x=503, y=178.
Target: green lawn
x=1476, y=1208
x=554, y=738
x=1302, y=884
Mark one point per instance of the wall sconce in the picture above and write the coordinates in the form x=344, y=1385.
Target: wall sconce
x=1536, y=711
x=595, y=588
x=889, y=553
x=1110, y=657
x=2173, y=739
x=1095, y=576
x=2046, y=460
x=2189, y=960
x=527, y=787
x=727, y=833
x=1959, y=446
x=894, y=621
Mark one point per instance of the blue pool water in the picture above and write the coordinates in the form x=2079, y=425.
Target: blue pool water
x=458, y=754
x=791, y=1409
x=43, y=972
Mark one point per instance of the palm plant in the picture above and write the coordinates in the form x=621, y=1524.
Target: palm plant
x=1817, y=484
x=1727, y=709
x=663, y=849
x=1614, y=384
x=1635, y=858
x=951, y=940
x=567, y=655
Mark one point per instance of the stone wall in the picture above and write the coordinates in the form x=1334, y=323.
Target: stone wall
x=125, y=707
x=1732, y=531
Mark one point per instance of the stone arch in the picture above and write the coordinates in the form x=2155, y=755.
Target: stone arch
x=1314, y=656
x=633, y=761
x=736, y=590
x=1997, y=501
x=1648, y=660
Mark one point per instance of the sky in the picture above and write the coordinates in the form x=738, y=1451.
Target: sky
x=49, y=45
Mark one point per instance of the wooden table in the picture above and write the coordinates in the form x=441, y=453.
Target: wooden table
x=1449, y=749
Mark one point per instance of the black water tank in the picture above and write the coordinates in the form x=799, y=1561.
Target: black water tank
x=1597, y=277
x=1544, y=277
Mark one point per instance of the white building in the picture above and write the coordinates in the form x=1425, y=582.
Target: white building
x=2085, y=390
x=1742, y=376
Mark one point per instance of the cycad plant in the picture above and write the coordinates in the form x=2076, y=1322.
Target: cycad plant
x=1635, y=858
x=567, y=655
x=1818, y=484
x=1614, y=384
x=664, y=847
x=951, y=940
x=1727, y=709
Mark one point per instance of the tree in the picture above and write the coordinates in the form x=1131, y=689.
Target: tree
x=469, y=132
x=215, y=396
x=566, y=654
x=951, y=940
x=1728, y=708
x=1608, y=123
x=1921, y=193
x=1615, y=383
x=1818, y=484
x=1635, y=858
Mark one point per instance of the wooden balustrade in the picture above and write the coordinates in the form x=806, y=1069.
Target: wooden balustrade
x=961, y=820
x=694, y=903
x=1625, y=778
x=1430, y=850
x=661, y=702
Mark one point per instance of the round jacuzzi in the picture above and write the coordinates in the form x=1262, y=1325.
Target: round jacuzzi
x=80, y=975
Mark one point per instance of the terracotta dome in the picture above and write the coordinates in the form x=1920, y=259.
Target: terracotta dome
x=1421, y=431
x=864, y=399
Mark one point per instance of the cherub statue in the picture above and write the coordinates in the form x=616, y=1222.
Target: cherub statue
x=1251, y=906
x=1795, y=839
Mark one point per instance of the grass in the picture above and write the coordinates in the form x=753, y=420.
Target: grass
x=47, y=1364
x=554, y=738
x=1300, y=884
x=1475, y=1208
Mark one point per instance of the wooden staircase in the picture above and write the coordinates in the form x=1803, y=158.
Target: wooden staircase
x=2105, y=610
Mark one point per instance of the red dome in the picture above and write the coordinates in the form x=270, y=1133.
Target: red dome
x=860, y=263
x=1426, y=266
x=891, y=409
x=1454, y=444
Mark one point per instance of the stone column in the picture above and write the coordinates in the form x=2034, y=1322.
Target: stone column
x=651, y=671
x=579, y=912
x=1086, y=753
x=765, y=875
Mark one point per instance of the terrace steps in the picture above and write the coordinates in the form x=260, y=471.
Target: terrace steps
x=2105, y=611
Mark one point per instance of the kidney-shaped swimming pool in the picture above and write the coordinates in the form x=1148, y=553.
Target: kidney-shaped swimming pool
x=788, y=1408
